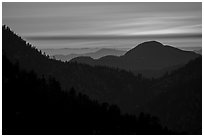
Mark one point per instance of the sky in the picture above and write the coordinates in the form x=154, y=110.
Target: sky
x=65, y=25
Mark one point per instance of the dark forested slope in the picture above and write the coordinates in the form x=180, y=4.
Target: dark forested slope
x=34, y=106
x=101, y=83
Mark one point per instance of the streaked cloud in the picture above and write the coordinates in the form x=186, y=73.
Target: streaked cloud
x=102, y=20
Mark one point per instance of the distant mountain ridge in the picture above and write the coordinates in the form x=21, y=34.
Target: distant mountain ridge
x=151, y=55
x=95, y=55
x=67, y=51
x=198, y=51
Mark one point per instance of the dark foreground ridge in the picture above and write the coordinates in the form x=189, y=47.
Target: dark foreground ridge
x=34, y=105
x=44, y=96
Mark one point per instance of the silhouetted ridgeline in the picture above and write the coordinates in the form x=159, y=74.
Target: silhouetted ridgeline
x=175, y=98
x=150, y=58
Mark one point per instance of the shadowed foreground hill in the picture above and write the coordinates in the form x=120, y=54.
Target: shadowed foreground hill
x=176, y=93
x=35, y=106
x=178, y=103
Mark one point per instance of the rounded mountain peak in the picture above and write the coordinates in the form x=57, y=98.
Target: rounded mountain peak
x=147, y=46
x=150, y=44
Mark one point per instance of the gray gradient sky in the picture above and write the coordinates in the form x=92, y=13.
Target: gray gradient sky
x=61, y=21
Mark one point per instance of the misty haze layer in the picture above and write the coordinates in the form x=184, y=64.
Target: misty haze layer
x=77, y=25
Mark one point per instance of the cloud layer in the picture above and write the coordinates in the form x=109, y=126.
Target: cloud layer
x=100, y=20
